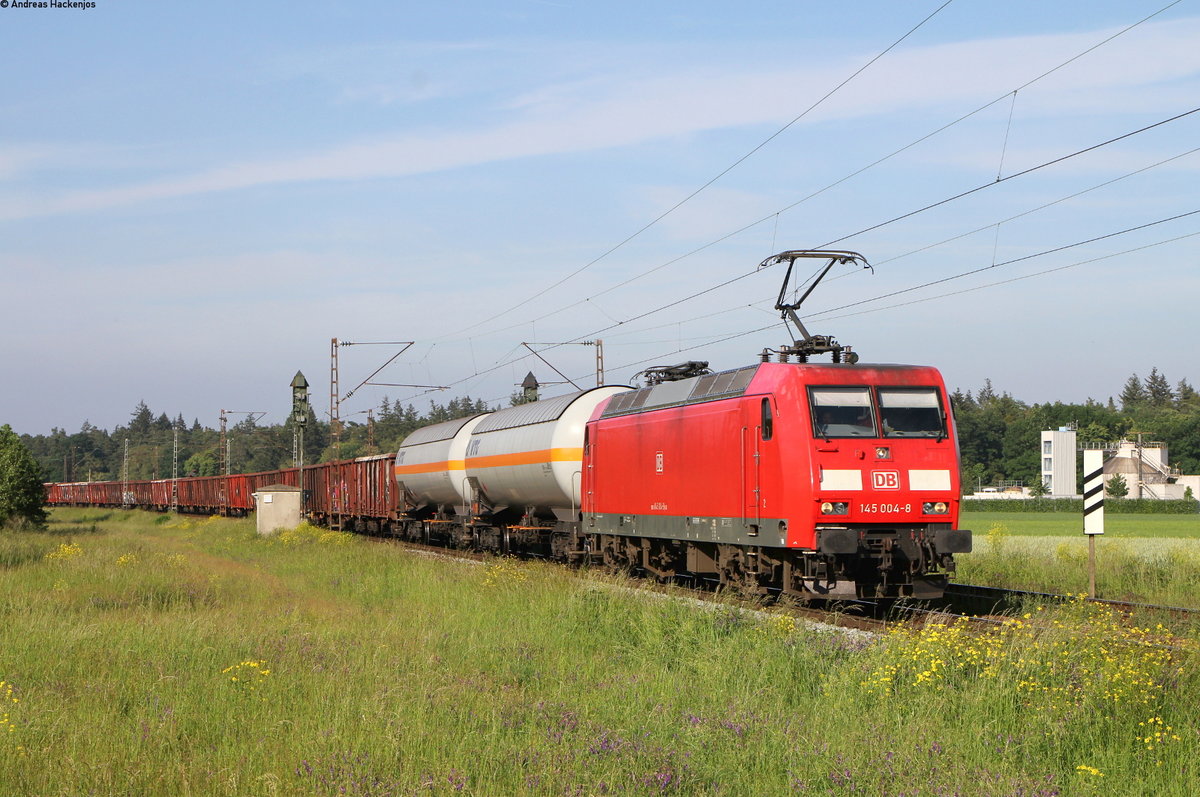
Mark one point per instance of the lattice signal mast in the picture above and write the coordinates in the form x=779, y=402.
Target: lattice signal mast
x=335, y=423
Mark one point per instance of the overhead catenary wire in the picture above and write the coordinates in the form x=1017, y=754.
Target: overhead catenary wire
x=943, y=280
x=1129, y=229
x=1041, y=207
x=715, y=178
x=726, y=283
x=724, y=338
x=822, y=313
x=1015, y=279
x=767, y=305
x=1010, y=262
x=846, y=178
x=907, y=215
x=1013, y=176
x=927, y=247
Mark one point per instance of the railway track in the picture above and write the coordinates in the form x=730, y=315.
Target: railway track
x=979, y=600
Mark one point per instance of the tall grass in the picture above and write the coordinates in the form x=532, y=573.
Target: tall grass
x=1163, y=571
x=192, y=657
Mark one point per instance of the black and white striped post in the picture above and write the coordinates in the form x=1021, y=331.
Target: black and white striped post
x=1093, y=508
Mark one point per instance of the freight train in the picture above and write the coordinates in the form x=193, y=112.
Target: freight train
x=812, y=480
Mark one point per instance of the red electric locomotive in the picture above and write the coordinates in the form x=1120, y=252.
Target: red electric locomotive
x=831, y=480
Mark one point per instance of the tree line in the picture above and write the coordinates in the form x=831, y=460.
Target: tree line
x=999, y=436
x=95, y=454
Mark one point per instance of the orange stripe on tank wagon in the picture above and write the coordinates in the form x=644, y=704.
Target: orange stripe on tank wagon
x=429, y=467
x=527, y=458
x=496, y=461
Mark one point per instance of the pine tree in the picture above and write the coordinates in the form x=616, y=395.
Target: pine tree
x=986, y=394
x=141, y=419
x=1186, y=395
x=1158, y=390
x=1134, y=395
x=22, y=496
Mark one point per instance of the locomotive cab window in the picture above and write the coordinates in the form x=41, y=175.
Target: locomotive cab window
x=911, y=412
x=768, y=422
x=842, y=412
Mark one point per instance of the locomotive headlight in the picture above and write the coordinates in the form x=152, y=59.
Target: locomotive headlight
x=935, y=508
x=883, y=452
x=834, y=508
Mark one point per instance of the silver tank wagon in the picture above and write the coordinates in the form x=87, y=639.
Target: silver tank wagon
x=429, y=465
x=529, y=457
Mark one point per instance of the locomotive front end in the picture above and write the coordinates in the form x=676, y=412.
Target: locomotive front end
x=884, y=468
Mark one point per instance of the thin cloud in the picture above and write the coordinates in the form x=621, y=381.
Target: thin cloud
x=587, y=116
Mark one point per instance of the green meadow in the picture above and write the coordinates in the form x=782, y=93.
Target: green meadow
x=156, y=655
x=1068, y=524
x=1141, y=558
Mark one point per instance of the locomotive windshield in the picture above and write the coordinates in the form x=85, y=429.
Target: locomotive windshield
x=911, y=412
x=842, y=412
x=902, y=412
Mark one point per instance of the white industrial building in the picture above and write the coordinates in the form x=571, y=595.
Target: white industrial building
x=1147, y=471
x=1144, y=467
x=1058, y=462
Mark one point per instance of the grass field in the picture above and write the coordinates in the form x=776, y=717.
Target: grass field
x=1063, y=524
x=150, y=655
x=1141, y=558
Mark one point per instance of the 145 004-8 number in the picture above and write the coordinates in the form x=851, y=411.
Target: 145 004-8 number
x=885, y=509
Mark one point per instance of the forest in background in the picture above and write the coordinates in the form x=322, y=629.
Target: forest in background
x=94, y=454
x=998, y=435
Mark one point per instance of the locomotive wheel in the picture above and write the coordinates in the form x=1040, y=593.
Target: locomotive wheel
x=738, y=573
x=661, y=560
x=615, y=558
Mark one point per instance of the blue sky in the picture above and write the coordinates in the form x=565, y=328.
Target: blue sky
x=194, y=198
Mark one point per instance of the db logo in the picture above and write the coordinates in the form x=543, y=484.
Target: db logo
x=885, y=479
